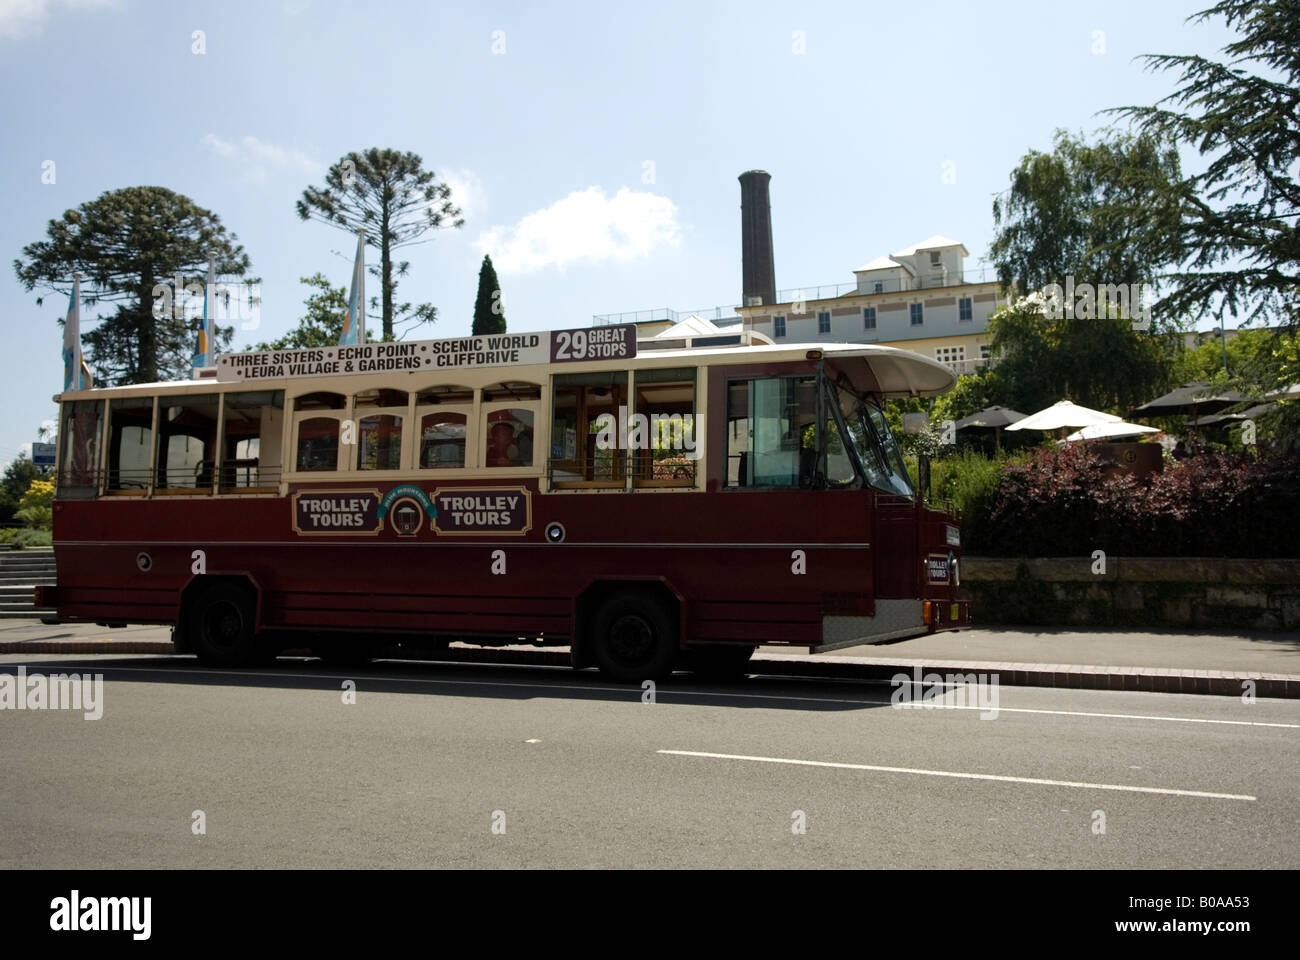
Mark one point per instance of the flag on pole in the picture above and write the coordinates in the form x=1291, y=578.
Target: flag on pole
x=203, y=346
x=354, y=324
x=76, y=376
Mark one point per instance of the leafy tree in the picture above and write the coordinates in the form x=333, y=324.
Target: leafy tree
x=18, y=477
x=489, y=313
x=973, y=392
x=36, y=508
x=125, y=243
x=1100, y=362
x=323, y=322
x=1108, y=212
x=1243, y=116
x=396, y=201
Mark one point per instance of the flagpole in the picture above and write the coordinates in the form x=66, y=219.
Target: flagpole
x=73, y=377
x=354, y=324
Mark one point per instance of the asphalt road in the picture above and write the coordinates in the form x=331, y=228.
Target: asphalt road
x=576, y=772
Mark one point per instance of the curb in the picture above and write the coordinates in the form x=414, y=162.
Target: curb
x=1070, y=676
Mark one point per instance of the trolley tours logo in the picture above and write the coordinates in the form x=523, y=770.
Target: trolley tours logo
x=61, y=691
x=953, y=691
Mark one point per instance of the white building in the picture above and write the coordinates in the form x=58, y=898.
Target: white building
x=920, y=298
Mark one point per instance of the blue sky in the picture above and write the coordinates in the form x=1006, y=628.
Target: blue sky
x=594, y=147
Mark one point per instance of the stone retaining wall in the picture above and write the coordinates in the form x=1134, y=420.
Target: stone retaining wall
x=1135, y=592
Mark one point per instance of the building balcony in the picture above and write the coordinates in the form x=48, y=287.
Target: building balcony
x=906, y=284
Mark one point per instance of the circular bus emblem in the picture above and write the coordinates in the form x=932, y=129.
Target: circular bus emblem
x=406, y=516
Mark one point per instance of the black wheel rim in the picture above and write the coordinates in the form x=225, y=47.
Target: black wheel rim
x=632, y=640
x=223, y=625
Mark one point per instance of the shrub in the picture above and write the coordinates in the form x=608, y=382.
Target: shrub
x=1060, y=502
x=969, y=480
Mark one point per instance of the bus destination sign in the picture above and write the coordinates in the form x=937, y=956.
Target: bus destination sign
x=615, y=342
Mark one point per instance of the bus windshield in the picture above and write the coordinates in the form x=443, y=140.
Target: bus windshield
x=873, y=442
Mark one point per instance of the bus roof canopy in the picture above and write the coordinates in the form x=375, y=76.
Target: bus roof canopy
x=900, y=373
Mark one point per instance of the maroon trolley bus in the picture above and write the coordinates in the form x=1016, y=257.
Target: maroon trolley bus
x=655, y=508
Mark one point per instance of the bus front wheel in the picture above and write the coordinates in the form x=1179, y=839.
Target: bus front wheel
x=222, y=626
x=634, y=638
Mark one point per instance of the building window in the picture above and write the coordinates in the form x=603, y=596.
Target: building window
x=918, y=317
x=984, y=351
x=778, y=326
x=964, y=313
x=951, y=355
x=934, y=257
x=868, y=318
x=878, y=287
x=824, y=322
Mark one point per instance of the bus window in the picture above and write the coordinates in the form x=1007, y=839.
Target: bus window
x=187, y=442
x=83, y=425
x=130, y=443
x=665, y=405
x=251, y=440
x=586, y=449
x=442, y=439
x=509, y=437
x=443, y=413
x=771, y=433
x=379, y=428
x=379, y=442
x=318, y=443
x=317, y=432
x=508, y=422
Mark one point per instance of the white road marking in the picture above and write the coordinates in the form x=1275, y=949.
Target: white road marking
x=965, y=776
x=667, y=691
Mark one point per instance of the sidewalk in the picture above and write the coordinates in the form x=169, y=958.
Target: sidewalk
x=1208, y=663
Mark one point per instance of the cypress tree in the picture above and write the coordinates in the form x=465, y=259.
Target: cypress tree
x=489, y=312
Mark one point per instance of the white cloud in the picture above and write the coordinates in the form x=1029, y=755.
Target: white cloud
x=22, y=18
x=257, y=157
x=466, y=192
x=584, y=227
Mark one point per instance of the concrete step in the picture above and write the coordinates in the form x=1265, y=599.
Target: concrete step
x=29, y=614
x=16, y=594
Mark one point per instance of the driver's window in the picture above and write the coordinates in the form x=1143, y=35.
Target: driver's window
x=187, y=443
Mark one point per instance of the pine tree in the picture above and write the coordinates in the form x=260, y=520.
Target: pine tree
x=489, y=313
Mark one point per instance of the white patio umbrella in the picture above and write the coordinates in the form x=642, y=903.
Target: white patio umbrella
x=1064, y=414
x=1103, y=431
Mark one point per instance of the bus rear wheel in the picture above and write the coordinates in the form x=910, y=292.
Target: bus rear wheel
x=222, y=627
x=634, y=638
x=717, y=661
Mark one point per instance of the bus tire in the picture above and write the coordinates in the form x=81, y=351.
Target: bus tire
x=634, y=638
x=222, y=630
x=719, y=662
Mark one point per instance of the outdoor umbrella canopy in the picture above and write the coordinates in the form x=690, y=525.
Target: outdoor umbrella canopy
x=1191, y=399
x=1063, y=414
x=1103, y=431
x=1286, y=393
x=1247, y=414
x=990, y=418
